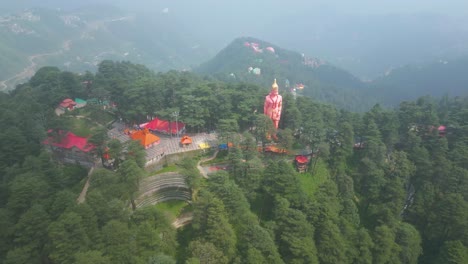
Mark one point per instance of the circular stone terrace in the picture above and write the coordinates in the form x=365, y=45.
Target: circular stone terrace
x=163, y=187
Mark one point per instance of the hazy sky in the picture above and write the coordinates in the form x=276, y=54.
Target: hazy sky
x=353, y=6
x=274, y=6
x=396, y=6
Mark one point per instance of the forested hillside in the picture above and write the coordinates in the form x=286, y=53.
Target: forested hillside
x=445, y=77
x=400, y=195
x=243, y=61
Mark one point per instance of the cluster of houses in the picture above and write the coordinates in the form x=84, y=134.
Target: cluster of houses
x=67, y=147
x=256, y=47
x=69, y=104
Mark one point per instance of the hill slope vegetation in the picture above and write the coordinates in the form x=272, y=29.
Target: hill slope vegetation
x=398, y=196
x=240, y=60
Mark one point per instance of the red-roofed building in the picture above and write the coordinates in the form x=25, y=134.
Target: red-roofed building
x=302, y=162
x=442, y=130
x=164, y=126
x=67, y=104
x=145, y=137
x=70, y=148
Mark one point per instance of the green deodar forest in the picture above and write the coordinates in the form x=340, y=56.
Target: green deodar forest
x=382, y=186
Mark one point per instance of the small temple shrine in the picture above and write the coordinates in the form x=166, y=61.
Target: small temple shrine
x=302, y=163
x=185, y=140
x=146, y=138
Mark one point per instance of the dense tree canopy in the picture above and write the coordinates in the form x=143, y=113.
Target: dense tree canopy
x=387, y=186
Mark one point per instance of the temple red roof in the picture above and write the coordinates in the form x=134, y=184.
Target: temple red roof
x=164, y=126
x=301, y=159
x=185, y=140
x=67, y=103
x=145, y=137
x=68, y=141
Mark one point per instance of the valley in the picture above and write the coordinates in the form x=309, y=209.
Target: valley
x=31, y=69
x=144, y=132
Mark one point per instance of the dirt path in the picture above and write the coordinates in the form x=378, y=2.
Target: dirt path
x=82, y=196
x=30, y=70
x=186, y=219
x=183, y=220
x=202, y=171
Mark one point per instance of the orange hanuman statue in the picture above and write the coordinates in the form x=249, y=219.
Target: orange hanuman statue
x=273, y=105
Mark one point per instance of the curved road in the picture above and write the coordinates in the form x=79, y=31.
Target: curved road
x=202, y=171
x=29, y=71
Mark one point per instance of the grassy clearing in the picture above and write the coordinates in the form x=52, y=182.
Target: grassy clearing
x=310, y=183
x=80, y=126
x=96, y=114
x=169, y=168
x=172, y=208
x=83, y=121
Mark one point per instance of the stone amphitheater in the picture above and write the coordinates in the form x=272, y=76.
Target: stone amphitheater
x=163, y=187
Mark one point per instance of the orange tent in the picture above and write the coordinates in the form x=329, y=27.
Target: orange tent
x=186, y=140
x=145, y=137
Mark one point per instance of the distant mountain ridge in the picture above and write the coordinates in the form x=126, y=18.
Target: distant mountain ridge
x=367, y=45
x=78, y=40
x=242, y=62
x=444, y=77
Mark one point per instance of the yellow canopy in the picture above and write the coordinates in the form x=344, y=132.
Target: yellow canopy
x=204, y=145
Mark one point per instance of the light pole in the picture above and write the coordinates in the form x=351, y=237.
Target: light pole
x=176, y=114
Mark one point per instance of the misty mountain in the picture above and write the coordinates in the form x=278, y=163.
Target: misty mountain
x=252, y=60
x=444, y=77
x=256, y=61
x=78, y=40
x=368, y=45
x=367, y=38
x=165, y=36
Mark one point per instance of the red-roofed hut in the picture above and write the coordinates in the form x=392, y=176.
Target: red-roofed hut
x=442, y=130
x=301, y=162
x=186, y=140
x=67, y=104
x=145, y=137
